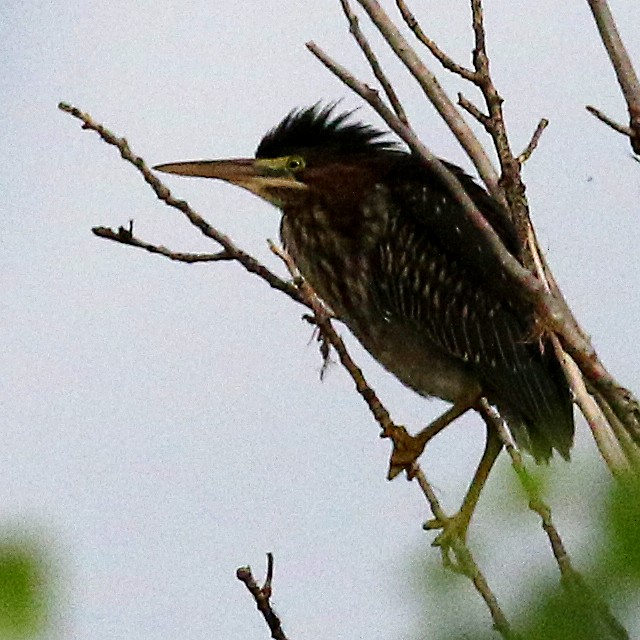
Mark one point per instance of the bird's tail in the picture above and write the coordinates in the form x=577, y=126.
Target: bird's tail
x=545, y=423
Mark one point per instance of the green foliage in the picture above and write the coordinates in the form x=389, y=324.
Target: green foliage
x=622, y=528
x=23, y=590
x=537, y=603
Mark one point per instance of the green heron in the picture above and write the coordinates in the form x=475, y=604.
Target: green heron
x=389, y=249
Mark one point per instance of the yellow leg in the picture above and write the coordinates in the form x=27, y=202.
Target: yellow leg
x=459, y=523
x=407, y=448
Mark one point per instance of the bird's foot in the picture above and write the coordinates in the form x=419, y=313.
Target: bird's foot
x=452, y=527
x=406, y=450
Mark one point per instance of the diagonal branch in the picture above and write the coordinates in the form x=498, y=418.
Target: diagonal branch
x=464, y=562
x=616, y=126
x=571, y=579
x=436, y=95
x=627, y=77
x=363, y=43
x=262, y=597
x=231, y=251
x=446, y=61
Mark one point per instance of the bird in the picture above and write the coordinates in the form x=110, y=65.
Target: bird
x=389, y=249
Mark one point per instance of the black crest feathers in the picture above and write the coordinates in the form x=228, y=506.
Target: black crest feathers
x=319, y=128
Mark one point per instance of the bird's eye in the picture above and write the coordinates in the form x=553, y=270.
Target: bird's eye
x=295, y=163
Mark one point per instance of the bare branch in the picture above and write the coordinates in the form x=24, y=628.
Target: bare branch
x=447, y=62
x=607, y=441
x=363, y=43
x=125, y=236
x=481, y=60
x=464, y=562
x=536, y=503
x=162, y=192
x=262, y=597
x=570, y=577
x=436, y=95
x=627, y=77
x=620, y=128
x=495, y=126
x=608, y=444
x=471, y=108
x=621, y=434
x=533, y=143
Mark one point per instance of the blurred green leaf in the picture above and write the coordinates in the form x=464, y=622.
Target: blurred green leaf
x=541, y=608
x=22, y=590
x=623, y=528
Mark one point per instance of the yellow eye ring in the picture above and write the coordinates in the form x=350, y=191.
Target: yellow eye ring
x=295, y=163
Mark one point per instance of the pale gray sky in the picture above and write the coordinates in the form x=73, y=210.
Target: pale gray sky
x=163, y=424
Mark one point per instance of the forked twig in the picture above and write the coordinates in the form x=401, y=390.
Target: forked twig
x=262, y=597
x=446, y=61
x=124, y=235
x=622, y=65
x=230, y=250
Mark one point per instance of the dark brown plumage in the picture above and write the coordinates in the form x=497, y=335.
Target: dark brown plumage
x=390, y=250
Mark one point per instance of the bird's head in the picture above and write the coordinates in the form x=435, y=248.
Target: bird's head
x=312, y=151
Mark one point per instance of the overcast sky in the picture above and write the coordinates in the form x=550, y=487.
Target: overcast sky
x=163, y=424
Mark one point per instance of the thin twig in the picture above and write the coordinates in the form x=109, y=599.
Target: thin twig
x=446, y=61
x=162, y=192
x=262, y=597
x=125, y=236
x=323, y=322
x=627, y=77
x=608, y=443
x=570, y=577
x=495, y=125
x=536, y=504
x=464, y=562
x=436, y=95
x=471, y=108
x=620, y=128
x=533, y=143
x=372, y=59
x=622, y=436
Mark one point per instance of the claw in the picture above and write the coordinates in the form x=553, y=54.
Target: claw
x=452, y=527
x=406, y=450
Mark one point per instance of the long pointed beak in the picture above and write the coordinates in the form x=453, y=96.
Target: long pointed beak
x=243, y=172
x=238, y=171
